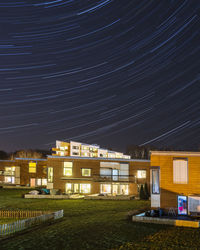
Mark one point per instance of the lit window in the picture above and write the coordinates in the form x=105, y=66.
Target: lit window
x=68, y=168
x=68, y=187
x=106, y=188
x=124, y=189
x=39, y=182
x=44, y=182
x=76, y=188
x=155, y=182
x=9, y=179
x=86, y=172
x=141, y=174
x=85, y=188
x=50, y=174
x=9, y=171
x=180, y=171
x=32, y=167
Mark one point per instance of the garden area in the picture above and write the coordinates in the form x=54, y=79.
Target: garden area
x=93, y=224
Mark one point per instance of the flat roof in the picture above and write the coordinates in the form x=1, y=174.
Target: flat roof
x=30, y=159
x=7, y=160
x=182, y=153
x=98, y=158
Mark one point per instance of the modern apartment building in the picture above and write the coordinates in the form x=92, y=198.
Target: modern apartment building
x=24, y=171
x=73, y=148
x=93, y=175
x=175, y=181
x=79, y=168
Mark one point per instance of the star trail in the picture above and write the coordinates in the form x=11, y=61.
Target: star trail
x=110, y=72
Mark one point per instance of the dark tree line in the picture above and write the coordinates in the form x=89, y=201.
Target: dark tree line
x=29, y=153
x=143, y=152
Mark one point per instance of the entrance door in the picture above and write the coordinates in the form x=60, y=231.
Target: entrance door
x=155, y=187
x=115, y=188
x=32, y=182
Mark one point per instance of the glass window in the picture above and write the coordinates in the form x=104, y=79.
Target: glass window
x=86, y=172
x=115, y=174
x=68, y=168
x=76, y=188
x=124, y=189
x=141, y=174
x=9, y=179
x=39, y=182
x=180, y=171
x=50, y=174
x=155, y=182
x=68, y=187
x=124, y=171
x=32, y=167
x=9, y=171
x=85, y=188
x=44, y=182
x=106, y=188
x=105, y=172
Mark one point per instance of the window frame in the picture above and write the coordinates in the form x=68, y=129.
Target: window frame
x=178, y=182
x=82, y=169
x=142, y=170
x=67, y=168
x=158, y=181
x=32, y=167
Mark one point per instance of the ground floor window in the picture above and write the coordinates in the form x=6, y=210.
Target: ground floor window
x=115, y=189
x=41, y=182
x=84, y=188
x=9, y=179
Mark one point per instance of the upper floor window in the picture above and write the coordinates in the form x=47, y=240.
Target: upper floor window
x=32, y=167
x=68, y=168
x=141, y=174
x=74, y=153
x=180, y=171
x=75, y=147
x=86, y=172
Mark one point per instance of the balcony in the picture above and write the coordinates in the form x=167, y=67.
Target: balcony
x=114, y=178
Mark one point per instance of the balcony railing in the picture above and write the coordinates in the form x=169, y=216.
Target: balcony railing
x=114, y=178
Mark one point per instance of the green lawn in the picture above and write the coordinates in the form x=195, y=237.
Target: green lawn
x=94, y=225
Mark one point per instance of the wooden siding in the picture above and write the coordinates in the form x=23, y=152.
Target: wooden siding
x=169, y=190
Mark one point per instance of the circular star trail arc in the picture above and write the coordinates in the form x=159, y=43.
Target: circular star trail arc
x=110, y=72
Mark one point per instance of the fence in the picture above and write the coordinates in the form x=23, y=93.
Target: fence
x=9, y=228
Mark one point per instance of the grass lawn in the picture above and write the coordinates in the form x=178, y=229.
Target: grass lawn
x=93, y=225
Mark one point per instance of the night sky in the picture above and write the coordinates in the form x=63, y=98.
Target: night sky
x=111, y=72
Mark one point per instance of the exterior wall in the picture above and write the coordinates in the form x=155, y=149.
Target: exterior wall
x=3, y=164
x=25, y=176
x=170, y=190
x=59, y=180
x=22, y=175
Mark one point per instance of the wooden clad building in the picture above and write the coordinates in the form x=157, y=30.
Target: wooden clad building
x=175, y=178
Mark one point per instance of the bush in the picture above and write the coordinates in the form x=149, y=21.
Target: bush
x=142, y=193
